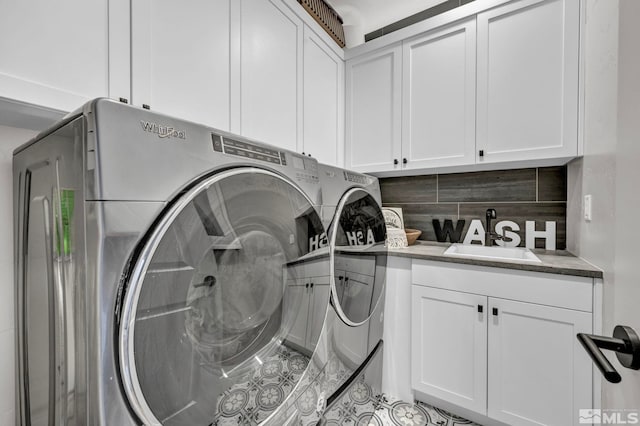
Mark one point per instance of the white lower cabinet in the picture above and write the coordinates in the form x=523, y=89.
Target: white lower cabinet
x=449, y=346
x=538, y=372
x=305, y=307
x=511, y=361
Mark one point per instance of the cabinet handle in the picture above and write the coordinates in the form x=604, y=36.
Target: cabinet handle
x=625, y=343
x=311, y=285
x=340, y=277
x=495, y=312
x=481, y=153
x=306, y=285
x=480, y=309
x=346, y=279
x=395, y=161
x=124, y=100
x=404, y=161
x=145, y=106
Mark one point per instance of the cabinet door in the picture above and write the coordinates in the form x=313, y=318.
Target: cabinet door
x=270, y=84
x=439, y=97
x=323, y=122
x=318, y=304
x=528, y=80
x=55, y=54
x=538, y=372
x=357, y=296
x=296, y=311
x=449, y=346
x=373, y=111
x=180, y=58
x=352, y=289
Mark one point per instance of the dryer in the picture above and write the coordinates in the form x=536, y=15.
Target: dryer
x=160, y=274
x=358, y=257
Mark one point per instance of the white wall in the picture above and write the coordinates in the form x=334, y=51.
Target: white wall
x=595, y=173
x=10, y=138
x=626, y=297
x=611, y=131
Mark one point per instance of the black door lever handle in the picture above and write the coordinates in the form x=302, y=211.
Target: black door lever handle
x=625, y=343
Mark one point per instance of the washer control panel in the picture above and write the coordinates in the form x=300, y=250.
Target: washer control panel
x=247, y=150
x=306, y=168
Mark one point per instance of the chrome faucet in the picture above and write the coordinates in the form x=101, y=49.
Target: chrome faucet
x=489, y=235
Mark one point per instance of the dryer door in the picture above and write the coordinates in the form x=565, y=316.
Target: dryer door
x=358, y=256
x=215, y=302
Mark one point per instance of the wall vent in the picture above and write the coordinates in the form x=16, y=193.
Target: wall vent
x=326, y=17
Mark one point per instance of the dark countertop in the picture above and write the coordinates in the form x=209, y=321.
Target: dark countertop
x=559, y=262
x=555, y=262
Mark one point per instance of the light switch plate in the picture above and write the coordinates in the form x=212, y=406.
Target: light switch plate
x=587, y=208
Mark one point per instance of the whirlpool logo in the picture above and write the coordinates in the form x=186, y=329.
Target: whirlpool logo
x=163, y=132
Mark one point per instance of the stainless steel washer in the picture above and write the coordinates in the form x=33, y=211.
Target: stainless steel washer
x=159, y=267
x=358, y=258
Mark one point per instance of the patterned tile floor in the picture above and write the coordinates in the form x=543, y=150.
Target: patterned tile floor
x=251, y=402
x=363, y=406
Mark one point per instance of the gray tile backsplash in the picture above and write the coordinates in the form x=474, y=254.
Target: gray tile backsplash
x=503, y=185
x=519, y=195
x=552, y=184
x=412, y=189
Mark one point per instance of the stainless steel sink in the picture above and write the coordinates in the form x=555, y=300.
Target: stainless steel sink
x=518, y=254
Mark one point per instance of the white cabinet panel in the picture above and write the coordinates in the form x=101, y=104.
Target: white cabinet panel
x=180, y=58
x=528, y=80
x=538, y=372
x=323, y=124
x=516, y=362
x=54, y=54
x=449, y=346
x=296, y=311
x=271, y=40
x=304, y=310
x=439, y=97
x=318, y=304
x=373, y=112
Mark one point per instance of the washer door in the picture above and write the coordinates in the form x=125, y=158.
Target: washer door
x=209, y=307
x=358, y=256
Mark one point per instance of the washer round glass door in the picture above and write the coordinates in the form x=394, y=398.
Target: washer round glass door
x=358, y=256
x=214, y=299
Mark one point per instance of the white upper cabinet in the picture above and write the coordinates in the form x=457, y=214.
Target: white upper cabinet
x=490, y=83
x=56, y=54
x=528, y=81
x=323, y=111
x=180, y=58
x=270, y=40
x=439, y=97
x=373, y=111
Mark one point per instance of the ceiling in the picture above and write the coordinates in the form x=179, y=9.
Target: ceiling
x=363, y=16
